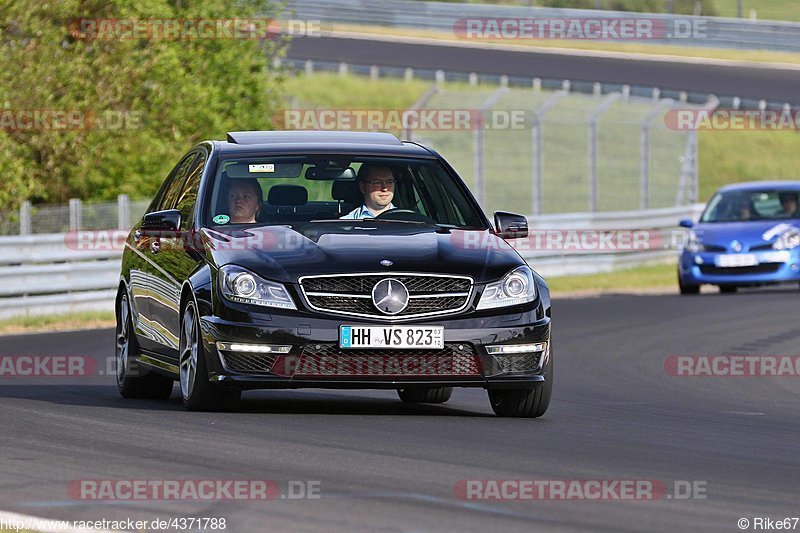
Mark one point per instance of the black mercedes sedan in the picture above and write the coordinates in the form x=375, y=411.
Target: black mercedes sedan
x=291, y=259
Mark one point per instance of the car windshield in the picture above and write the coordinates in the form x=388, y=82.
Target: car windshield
x=286, y=190
x=752, y=205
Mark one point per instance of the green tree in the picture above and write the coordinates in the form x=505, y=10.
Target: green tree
x=167, y=94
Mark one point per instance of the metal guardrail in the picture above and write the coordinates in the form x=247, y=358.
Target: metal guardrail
x=442, y=16
x=660, y=224
x=46, y=274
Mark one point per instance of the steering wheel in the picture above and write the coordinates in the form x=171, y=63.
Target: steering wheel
x=399, y=213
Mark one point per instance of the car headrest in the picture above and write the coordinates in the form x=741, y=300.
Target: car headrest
x=287, y=195
x=346, y=191
x=222, y=198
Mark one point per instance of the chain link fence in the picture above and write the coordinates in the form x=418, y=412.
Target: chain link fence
x=77, y=215
x=568, y=153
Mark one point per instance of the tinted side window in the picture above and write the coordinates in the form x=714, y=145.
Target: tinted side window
x=188, y=196
x=168, y=194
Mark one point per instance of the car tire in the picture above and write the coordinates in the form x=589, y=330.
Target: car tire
x=687, y=288
x=524, y=403
x=727, y=289
x=134, y=381
x=197, y=392
x=431, y=395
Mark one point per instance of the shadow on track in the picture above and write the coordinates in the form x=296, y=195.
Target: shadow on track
x=272, y=402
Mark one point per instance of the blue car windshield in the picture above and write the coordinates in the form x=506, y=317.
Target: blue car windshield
x=752, y=205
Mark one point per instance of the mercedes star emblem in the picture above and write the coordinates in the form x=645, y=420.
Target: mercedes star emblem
x=386, y=263
x=736, y=246
x=390, y=296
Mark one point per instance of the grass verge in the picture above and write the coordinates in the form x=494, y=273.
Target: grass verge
x=61, y=322
x=632, y=279
x=788, y=10
x=756, y=56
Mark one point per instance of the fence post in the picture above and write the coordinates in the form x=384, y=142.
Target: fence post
x=479, y=145
x=688, y=182
x=537, y=145
x=421, y=102
x=477, y=159
x=342, y=69
x=644, y=150
x=309, y=68
x=123, y=212
x=374, y=72
x=75, y=214
x=594, y=119
x=408, y=74
x=25, y=218
x=695, y=167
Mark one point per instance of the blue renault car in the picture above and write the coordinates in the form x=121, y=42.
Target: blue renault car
x=748, y=235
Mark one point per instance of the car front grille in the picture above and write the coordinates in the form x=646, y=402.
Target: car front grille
x=351, y=294
x=327, y=359
x=248, y=362
x=766, y=268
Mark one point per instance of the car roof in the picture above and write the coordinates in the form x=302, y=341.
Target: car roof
x=759, y=185
x=333, y=142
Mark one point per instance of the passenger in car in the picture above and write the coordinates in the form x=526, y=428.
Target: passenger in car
x=377, y=185
x=745, y=208
x=244, y=200
x=789, y=203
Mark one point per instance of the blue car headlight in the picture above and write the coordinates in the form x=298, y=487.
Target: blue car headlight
x=693, y=243
x=787, y=240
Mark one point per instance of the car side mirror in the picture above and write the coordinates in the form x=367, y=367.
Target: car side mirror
x=510, y=226
x=169, y=220
x=686, y=223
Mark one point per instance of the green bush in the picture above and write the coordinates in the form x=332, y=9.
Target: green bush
x=172, y=93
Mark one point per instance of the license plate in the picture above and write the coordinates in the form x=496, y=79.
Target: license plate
x=399, y=337
x=736, y=260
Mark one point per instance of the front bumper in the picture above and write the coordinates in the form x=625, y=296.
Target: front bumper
x=696, y=268
x=464, y=337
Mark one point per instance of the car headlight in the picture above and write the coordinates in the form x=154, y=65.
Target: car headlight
x=693, y=243
x=788, y=240
x=516, y=287
x=238, y=284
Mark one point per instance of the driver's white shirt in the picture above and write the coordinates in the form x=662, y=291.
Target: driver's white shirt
x=362, y=212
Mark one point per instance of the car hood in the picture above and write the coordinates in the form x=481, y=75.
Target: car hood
x=284, y=253
x=749, y=234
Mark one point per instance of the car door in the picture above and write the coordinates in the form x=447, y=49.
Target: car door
x=151, y=292
x=174, y=260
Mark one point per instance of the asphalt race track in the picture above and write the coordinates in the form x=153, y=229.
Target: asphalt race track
x=780, y=85
x=386, y=466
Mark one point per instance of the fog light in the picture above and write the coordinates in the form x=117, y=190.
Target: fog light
x=516, y=348
x=252, y=348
